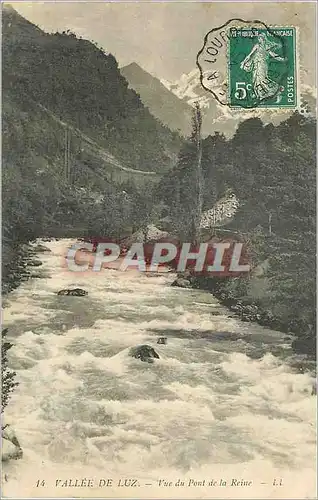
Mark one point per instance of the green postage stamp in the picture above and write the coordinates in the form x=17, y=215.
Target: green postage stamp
x=262, y=67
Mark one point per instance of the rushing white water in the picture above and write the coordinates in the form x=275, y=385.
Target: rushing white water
x=221, y=403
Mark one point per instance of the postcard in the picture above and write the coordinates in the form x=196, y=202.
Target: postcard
x=159, y=250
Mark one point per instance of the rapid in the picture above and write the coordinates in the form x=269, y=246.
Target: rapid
x=222, y=403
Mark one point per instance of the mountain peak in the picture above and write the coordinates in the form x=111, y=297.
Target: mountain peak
x=133, y=66
x=12, y=22
x=136, y=74
x=162, y=103
x=8, y=7
x=134, y=69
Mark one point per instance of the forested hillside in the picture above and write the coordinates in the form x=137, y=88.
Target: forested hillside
x=82, y=85
x=272, y=171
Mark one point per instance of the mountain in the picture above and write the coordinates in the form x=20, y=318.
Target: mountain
x=80, y=151
x=162, y=103
x=189, y=89
x=82, y=85
x=219, y=118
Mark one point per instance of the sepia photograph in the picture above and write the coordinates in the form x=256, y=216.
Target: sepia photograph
x=159, y=249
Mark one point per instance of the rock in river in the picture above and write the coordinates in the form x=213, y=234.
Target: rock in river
x=162, y=340
x=40, y=249
x=144, y=353
x=11, y=448
x=75, y=292
x=35, y=263
x=181, y=283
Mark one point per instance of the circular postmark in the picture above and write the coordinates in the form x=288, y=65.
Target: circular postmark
x=247, y=64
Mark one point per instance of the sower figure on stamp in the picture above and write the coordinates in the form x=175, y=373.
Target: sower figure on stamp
x=257, y=61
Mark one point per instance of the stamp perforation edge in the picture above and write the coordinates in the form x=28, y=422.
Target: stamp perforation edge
x=270, y=108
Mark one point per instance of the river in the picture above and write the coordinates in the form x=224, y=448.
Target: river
x=222, y=403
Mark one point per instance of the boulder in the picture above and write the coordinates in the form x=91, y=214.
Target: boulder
x=40, y=249
x=74, y=292
x=151, y=233
x=9, y=434
x=144, y=352
x=11, y=449
x=162, y=340
x=36, y=275
x=35, y=263
x=181, y=283
x=186, y=275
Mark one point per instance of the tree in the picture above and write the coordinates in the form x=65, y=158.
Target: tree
x=182, y=189
x=198, y=197
x=273, y=176
x=292, y=249
x=8, y=376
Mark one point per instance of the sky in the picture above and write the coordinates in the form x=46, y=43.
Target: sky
x=164, y=37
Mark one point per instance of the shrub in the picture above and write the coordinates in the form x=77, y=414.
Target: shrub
x=7, y=375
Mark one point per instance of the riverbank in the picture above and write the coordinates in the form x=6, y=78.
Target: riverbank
x=20, y=262
x=16, y=256
x=231, y=292
x=83, y=401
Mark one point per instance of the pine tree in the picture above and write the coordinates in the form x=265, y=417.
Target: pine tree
x=185, y=184
x=293, y=246
x=198, y=198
